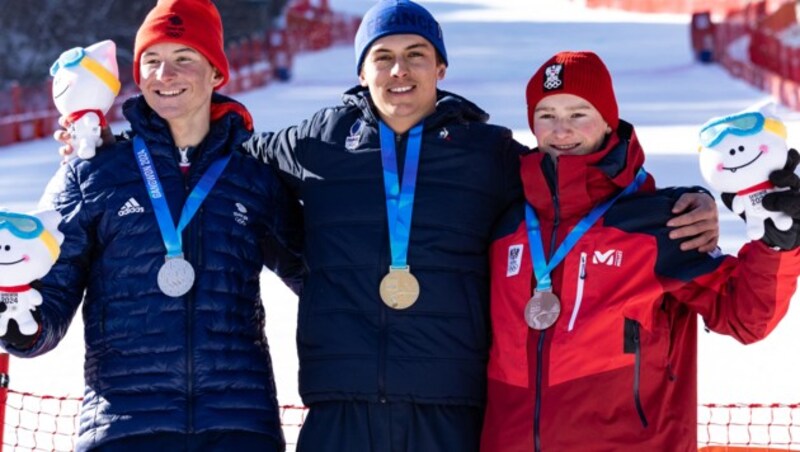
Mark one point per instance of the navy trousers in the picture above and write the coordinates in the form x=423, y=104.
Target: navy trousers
x=390, y=427
x=223, y=441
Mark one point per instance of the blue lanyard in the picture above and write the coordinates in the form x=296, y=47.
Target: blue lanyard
x=169, y=233
x=399, y=198
x=541, y=267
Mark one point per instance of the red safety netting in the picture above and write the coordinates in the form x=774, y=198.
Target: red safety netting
x=40, y=423
x=47, y=423
x=751, y=427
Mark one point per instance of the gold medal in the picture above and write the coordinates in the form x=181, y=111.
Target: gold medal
x=542, y=310
x=399, y=288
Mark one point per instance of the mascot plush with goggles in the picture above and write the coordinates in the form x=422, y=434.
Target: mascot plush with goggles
x=29, y=246
x=737, y=155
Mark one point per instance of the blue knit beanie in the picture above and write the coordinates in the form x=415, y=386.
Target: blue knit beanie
x=394, y=17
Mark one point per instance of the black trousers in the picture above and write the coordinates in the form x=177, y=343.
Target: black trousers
x=390, y=427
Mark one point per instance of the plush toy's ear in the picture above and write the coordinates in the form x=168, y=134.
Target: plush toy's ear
x=772, y=121
x=50, y=219
x=775, y=126
x=106, y=53
x=769, y=109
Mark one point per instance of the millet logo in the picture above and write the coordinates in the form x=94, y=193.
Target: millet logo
x=175, y=28
x=612, y=258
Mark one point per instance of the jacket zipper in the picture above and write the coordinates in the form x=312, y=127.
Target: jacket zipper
x=578, y=292
x=184, y=154
x=633, y=345
x=194, y=245
x=637, y=376
x=198, y=257
x=540, y=346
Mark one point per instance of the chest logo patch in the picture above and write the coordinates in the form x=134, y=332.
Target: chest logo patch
x=612, y=258
x=514, y=260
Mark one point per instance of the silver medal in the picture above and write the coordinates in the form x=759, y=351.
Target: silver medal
x=175, y=277
x=542, y=310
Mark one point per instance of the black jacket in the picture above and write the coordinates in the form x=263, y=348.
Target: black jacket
x=351, y=346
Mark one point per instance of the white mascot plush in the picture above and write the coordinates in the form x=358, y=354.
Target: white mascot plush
x=737, y=154
x=85, y=84
x=29, y=246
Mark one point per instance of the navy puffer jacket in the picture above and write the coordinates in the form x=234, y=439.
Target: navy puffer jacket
x=351, y=345
x=196, y=363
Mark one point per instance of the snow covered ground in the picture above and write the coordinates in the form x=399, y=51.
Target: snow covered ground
x=494, y=47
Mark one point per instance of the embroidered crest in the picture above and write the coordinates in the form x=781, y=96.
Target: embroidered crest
x=240, y=214
x=174, y=26
x=514, y=260
x=353, y=140
x=554, y=77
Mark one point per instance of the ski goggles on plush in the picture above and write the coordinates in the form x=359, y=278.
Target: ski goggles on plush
x=741, y=124
x=78, y=56
x=20, y=225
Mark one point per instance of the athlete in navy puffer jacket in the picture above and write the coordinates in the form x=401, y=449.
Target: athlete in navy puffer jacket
x=351, y=346
x=197, y=363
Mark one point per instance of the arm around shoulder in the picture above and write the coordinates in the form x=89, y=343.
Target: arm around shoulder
x=283, y=247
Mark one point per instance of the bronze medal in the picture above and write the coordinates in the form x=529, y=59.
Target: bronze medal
x=542, y=310
x=399, y=288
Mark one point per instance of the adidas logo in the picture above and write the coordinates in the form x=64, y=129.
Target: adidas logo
x=131, y=206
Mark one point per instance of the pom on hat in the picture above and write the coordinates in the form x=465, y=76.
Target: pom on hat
x=195, y=23
x=582, y=74
x=394, y=17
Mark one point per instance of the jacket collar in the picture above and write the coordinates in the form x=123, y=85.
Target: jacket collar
x=449, y=107
x=579, y=183
x=231, y=124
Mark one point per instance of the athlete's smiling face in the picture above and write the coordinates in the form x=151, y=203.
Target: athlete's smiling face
x=401, y=72
x=565, y=124
x=177, y=81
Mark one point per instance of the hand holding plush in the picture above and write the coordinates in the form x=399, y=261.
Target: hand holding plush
x=737, y=155
x=29, y=246
x=85, y=83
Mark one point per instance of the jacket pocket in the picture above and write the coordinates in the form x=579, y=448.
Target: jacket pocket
x=578, y=292
x=633, y=345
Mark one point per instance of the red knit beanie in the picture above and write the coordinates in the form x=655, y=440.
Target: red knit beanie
x=582, y=74
x=195, y=23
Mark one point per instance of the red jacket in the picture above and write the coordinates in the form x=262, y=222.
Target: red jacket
x=618, y=370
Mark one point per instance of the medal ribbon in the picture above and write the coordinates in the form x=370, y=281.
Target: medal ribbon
x=169, y=233
x=399, y=198
x=541, y=267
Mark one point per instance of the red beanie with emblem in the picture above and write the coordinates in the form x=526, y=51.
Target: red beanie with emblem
x=582, y=74
x=194, y=23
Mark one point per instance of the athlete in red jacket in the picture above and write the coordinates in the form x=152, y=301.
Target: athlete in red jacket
x=594, y=309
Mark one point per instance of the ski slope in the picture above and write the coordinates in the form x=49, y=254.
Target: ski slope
x=494, y=47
